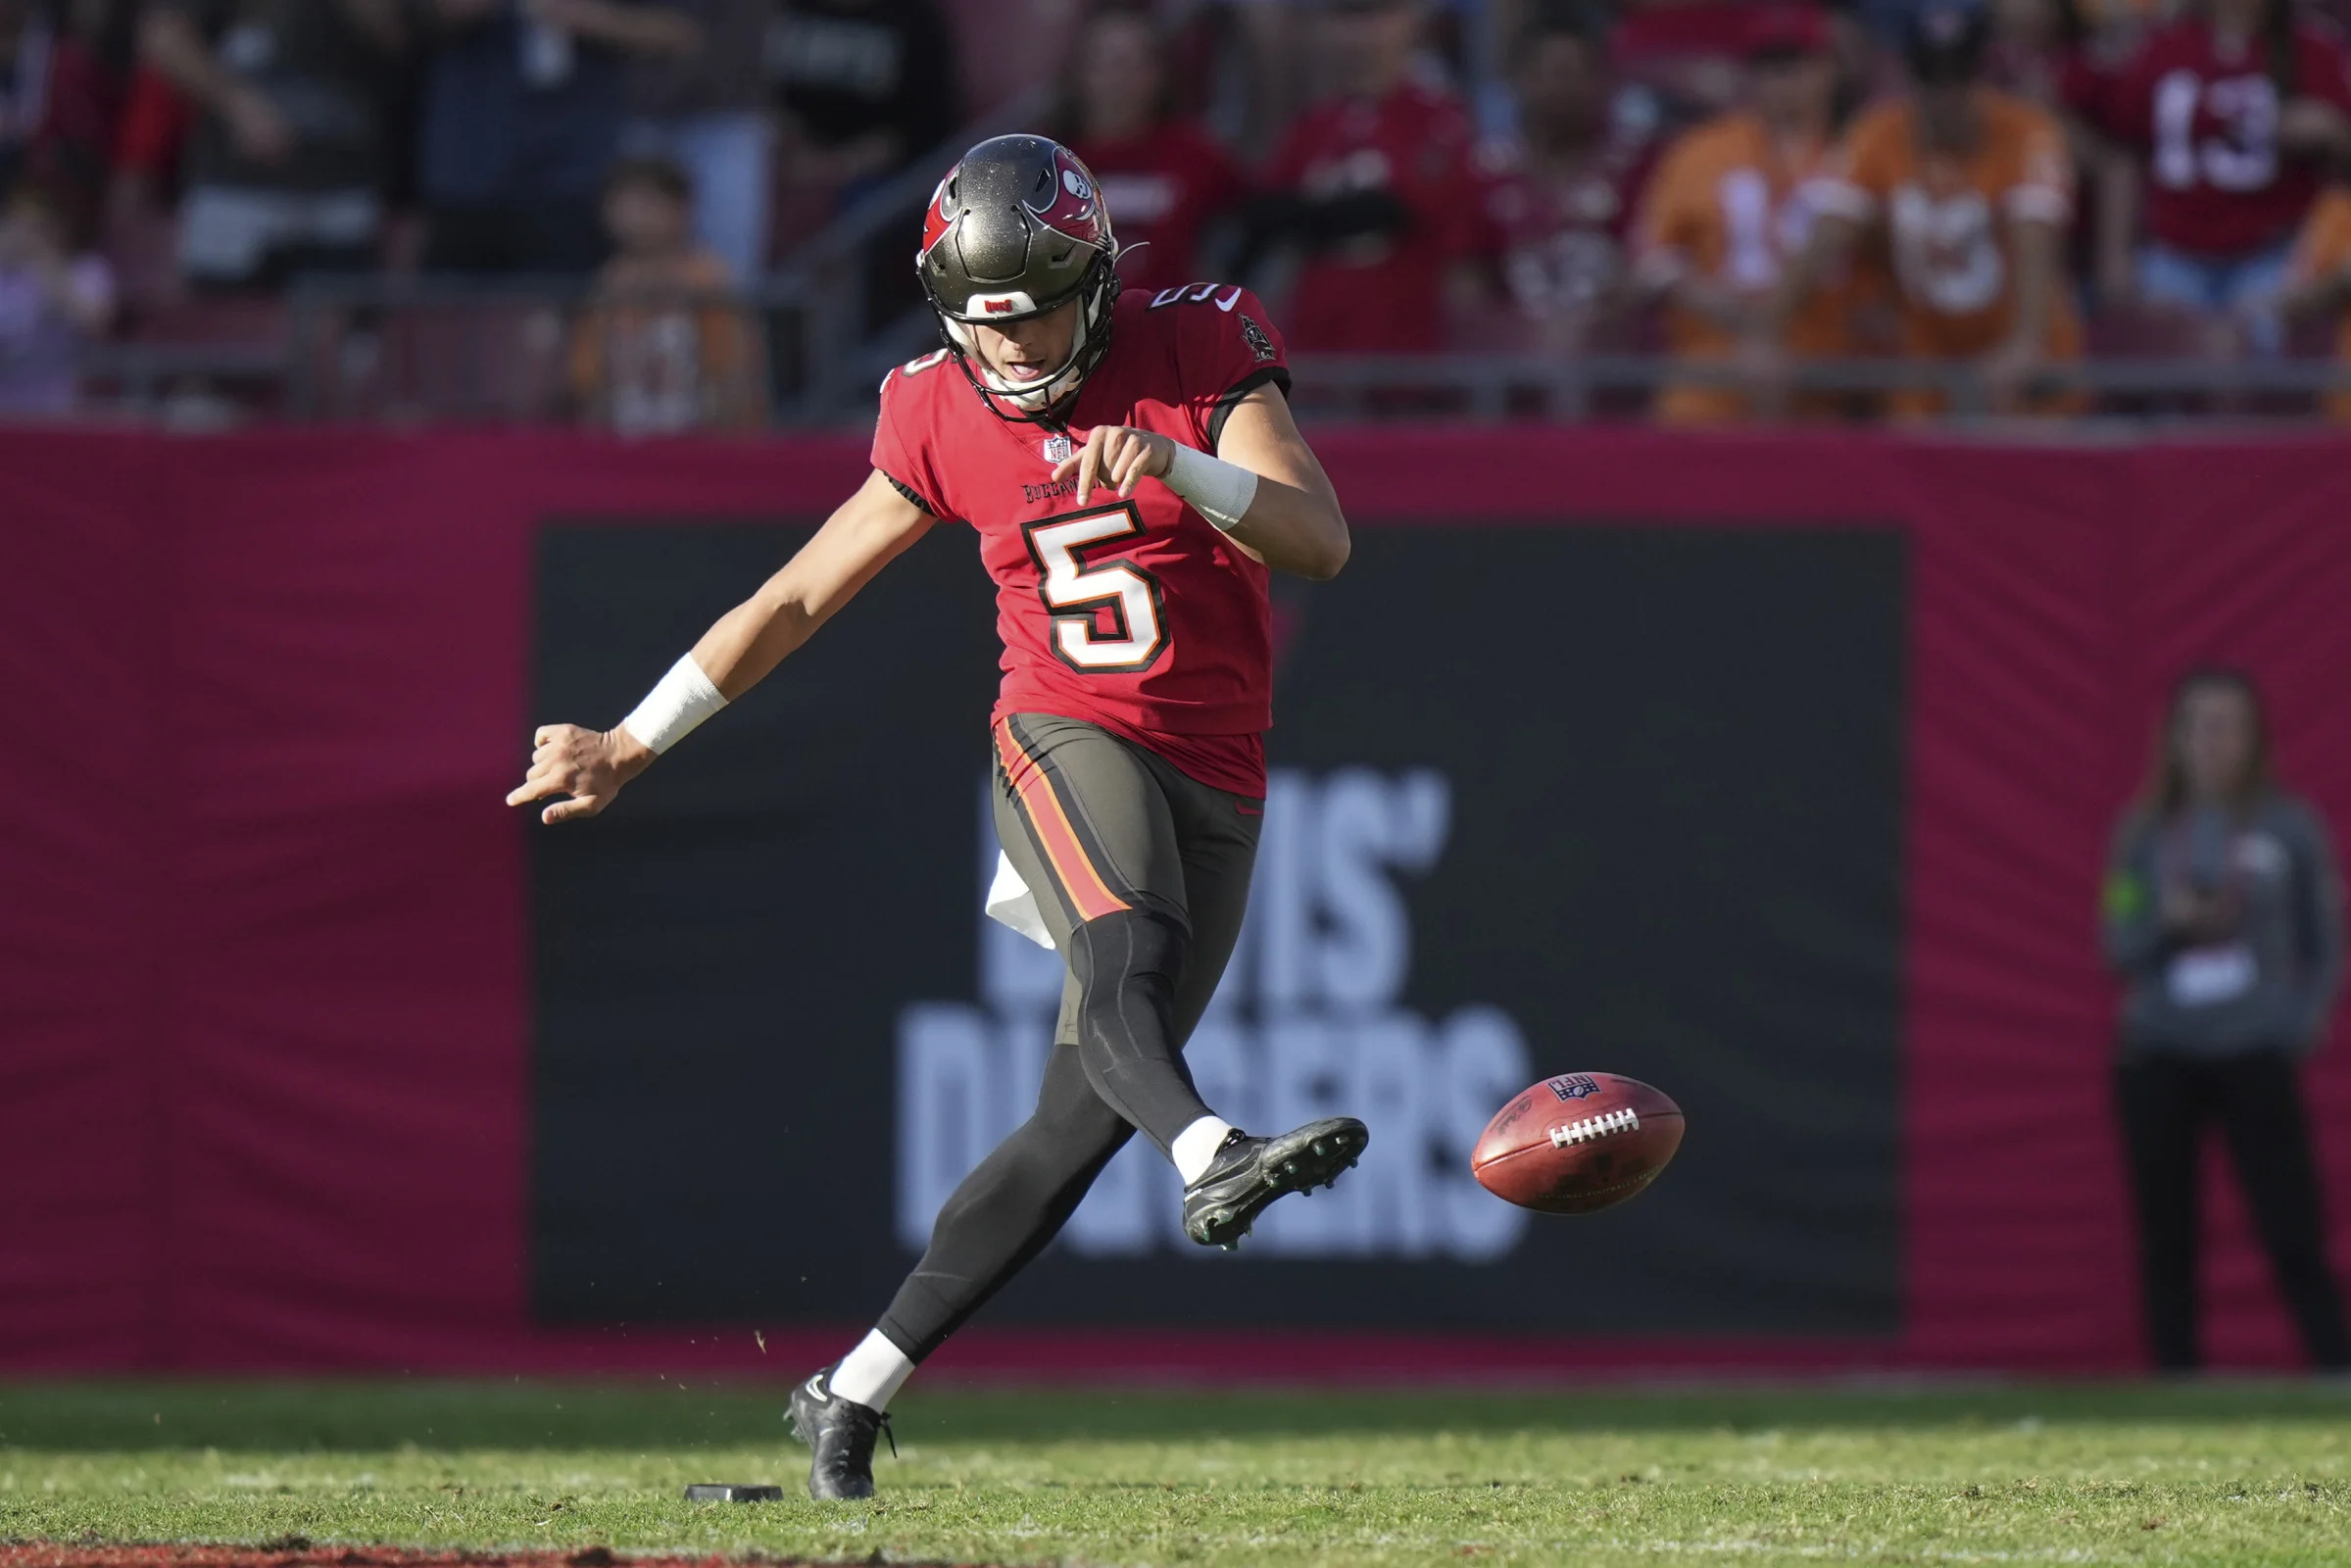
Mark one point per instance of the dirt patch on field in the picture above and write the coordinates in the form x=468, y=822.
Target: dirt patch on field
x=296, y=1552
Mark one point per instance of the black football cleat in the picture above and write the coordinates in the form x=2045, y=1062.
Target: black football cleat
x=842, y=1433
x=1248, y=1173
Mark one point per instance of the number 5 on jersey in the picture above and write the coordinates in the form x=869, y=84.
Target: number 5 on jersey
x=1077, y=593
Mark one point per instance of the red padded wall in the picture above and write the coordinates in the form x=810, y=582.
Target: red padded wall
x=263, y=1001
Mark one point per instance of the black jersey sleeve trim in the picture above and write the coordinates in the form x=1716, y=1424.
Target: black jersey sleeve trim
x=1263, y=375
x=908, y=491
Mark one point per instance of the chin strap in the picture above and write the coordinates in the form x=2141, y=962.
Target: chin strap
x=1034, y=402
x=1030, y=397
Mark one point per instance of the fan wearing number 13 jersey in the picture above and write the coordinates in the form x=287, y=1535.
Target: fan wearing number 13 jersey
x=1132, y=473
x=2234, y=109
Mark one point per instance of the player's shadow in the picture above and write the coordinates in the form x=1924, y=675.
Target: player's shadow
x=384, y=1415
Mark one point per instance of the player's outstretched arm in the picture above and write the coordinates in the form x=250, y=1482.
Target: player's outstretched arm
x=1265, y=487
x=579, y=771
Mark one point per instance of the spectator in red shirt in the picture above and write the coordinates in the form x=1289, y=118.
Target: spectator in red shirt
x=1163, y=179
x=2037, y=52
x=62, y=74
x=2059, y=57
x=2053, y=55
x=1377, y=184
x=2231, y=114
x=1564, y=189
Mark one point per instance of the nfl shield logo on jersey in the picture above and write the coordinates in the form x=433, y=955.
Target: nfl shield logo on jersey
x=1054, y=448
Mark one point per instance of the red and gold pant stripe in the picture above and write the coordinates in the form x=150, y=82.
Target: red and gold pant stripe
x=1085, y=888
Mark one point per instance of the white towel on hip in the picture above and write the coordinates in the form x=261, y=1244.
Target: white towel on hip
x=1011, y=902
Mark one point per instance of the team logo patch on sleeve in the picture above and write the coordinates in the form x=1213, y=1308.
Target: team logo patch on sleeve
x=1258, y=343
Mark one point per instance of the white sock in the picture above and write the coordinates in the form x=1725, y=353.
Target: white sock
x=1197, y=1145
x=872, y=1374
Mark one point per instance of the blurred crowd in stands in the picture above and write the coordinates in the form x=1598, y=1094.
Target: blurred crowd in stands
x=1754, y=183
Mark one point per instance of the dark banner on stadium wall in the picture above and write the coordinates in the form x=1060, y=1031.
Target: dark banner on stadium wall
x=1776, y=769
x=1516, y=825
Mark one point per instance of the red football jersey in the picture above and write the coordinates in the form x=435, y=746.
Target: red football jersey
x=1161, y=188
x=1562, y=244
x=1382, y=293
x=1136, y=615
x=2217, y=184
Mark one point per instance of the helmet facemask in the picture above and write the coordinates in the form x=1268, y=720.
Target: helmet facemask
x=1036, y=399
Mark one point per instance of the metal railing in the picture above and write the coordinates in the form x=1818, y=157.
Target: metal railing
x=1569, y=388
x=818, y=338
x=409, y=350
x=387, y=350
x=138, y=376
x=406, y=348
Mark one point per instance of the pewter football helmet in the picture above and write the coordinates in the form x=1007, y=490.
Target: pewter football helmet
x=1016, y=229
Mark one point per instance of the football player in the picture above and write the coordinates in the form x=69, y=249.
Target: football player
x=1132, y=472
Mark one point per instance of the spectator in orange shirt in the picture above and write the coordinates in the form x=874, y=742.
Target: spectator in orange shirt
x=1163, y=179
x=1972, y=191
x=2317, y=277
x=662, y=346
x=1729, y=209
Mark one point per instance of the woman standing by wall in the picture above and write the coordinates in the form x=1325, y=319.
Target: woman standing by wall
x=2224, y=916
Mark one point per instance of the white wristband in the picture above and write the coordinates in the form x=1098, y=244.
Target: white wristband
x=677, y=703
x=1218, y=491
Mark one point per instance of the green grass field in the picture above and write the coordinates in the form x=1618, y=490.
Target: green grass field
x=1592, y=1474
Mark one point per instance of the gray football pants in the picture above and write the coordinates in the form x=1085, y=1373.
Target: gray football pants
x=1141, y=874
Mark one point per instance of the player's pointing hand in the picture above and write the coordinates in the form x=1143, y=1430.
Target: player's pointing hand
x=1118, y=456
x=586, y=766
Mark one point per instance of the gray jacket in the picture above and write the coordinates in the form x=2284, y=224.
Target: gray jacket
x=2269, y=983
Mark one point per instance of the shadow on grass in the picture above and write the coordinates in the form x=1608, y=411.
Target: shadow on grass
x=374, y=1416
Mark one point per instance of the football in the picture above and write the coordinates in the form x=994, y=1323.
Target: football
x=1577, y=1143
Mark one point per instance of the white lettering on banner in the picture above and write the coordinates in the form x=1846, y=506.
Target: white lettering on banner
x=1306, y=1024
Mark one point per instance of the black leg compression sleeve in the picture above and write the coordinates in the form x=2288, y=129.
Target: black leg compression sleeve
x=1127, y=966
x=1007, y=1209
